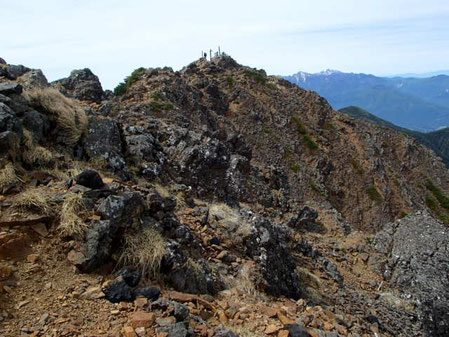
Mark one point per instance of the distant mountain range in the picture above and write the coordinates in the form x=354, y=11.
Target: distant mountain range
x=438, y=140
x=420, y=104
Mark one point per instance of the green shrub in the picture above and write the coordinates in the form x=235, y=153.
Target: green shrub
x=438, y=193
x=444, y=217
x=157, y=96
x=374, y=194
x=356, y=165
x=295, y=167
x=255, y=76
x=123, y=87
x=432, y=203
x=310, y=143
x=272, y=86
x=328, y=126
x=299, y=126
x=230, y=80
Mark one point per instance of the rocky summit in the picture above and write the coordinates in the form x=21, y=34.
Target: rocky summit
x=212, y=201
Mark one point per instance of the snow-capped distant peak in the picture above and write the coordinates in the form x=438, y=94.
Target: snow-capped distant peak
x=328, y=72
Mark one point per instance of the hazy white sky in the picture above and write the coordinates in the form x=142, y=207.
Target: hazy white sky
x=113, y=37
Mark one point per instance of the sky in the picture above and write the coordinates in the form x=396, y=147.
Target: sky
x=112, y=38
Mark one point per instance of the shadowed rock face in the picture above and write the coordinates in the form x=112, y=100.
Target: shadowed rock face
x=83, y=85
x=417, y=250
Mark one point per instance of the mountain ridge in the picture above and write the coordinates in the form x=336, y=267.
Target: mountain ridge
x=214, y=200
x=420, y=104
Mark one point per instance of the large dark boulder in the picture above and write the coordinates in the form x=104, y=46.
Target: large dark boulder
x=119, y=214
x=15, y=71
x=268, y=245
x=37, y=123
x=83, y=85
x=417, y=252
x=9, y=120
x=296, y=330
x=32, y=79
x=104, y=140
x=188, y=276
x=305, y=220
x=9, y=88
x=90, y=179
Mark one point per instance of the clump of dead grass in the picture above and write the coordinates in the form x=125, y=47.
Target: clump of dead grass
x=71, y=223
x=69, y=114
x=35, y=200
x=144, y=250
x=8, y=176
x=247, y=279
x=33, y=153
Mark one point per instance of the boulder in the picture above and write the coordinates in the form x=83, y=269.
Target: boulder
x=187, y=277
x=9, y=120
x=2, y=61
x=417, y=253
x=37, y=123
x=305, y=220
x=118, y=291
x=15, y=71
x=103, y=139
x=83, y=85
x=175, y=330
x=268, y=244
x=296, y=330
x=130, y=276
x=8, y=142
x=9, y=88
x=33, y=79
x=148, y=292
x=90, y=179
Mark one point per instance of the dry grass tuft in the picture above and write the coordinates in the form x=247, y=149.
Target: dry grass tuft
x=68, y=113
x=71, y=223
x=8, y=175
x=246, y=280
x=35, y=200
x=33, y=153
x=144, y=250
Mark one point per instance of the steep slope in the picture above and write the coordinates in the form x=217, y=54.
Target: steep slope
x=438, y=141
x=416, y=103
x=297, y=133
x=247, y=201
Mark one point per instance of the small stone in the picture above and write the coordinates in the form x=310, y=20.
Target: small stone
x=92, y=293
x=165, y=321
x=140, y=331
x=270, y=312
x=5, y=272
x=271, y=329
x=181, y=297
x=284, y=319
x=222, y=316
x=141, y=302
x=43, y=318
x=32, y=258
x=222, y=254
x=40, y=229
x=129, y=332
x=22, y=303
x=283, y=333
x=142, y=319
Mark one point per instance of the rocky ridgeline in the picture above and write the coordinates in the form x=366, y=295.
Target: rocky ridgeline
x=213, y=201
